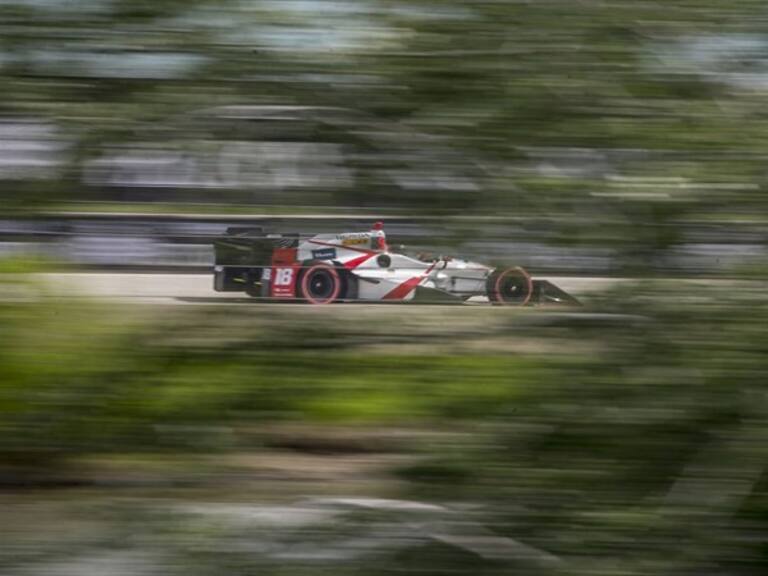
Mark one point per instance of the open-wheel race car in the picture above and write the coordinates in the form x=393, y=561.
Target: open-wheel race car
x=359, y=266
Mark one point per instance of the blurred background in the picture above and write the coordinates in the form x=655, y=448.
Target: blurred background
x=147, y=427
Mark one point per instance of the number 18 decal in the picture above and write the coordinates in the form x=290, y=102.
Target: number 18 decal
x=283, y=277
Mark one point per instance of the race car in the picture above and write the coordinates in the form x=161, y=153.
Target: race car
x=360, y=266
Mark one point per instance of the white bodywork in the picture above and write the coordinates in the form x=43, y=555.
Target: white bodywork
x=386, y=275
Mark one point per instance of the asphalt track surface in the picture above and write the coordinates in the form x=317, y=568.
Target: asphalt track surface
x=197, y=289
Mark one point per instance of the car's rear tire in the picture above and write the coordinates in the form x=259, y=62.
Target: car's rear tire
x=253, y=282
x=320, y=283
x=510, y=287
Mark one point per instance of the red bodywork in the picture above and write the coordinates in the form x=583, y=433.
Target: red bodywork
x=284, y=273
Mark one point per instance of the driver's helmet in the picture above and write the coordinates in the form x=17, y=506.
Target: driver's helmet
x=378, y=238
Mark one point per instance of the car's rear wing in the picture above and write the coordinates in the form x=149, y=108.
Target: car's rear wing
x=250, y=246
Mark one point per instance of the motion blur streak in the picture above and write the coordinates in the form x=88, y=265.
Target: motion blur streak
x=149, y=425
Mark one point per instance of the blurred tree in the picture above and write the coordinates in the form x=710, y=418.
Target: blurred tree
x=574, y=109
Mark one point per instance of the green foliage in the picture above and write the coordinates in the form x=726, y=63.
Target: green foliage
x=503, y=92
x=648, y=452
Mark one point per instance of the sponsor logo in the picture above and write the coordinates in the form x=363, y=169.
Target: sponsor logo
x=354, y=238
x=354, y=241
x=324, y=254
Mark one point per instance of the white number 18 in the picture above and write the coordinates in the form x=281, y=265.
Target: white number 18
x=283, y=276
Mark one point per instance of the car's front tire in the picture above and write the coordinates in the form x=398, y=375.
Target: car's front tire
x=511, y=287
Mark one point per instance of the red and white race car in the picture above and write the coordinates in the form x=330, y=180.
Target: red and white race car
x=359, y=266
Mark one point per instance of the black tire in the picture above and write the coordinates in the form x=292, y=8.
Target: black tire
x=509, y=287
x=320, y=282
x=253, y=283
